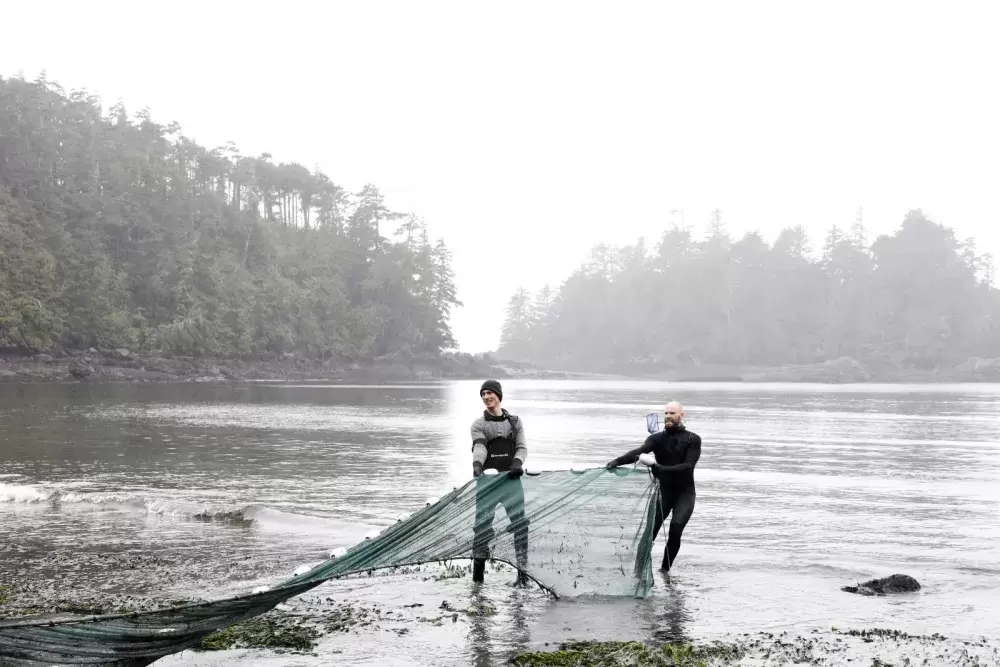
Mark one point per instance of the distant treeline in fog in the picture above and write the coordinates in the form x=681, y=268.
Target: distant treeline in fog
x=917, y=299
x=116, y=231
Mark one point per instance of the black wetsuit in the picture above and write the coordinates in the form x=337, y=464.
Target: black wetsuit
x=677, y=451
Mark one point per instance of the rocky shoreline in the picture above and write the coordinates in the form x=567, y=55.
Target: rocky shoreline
x=848, y=370
x=322, y=623
x=122, y=365
x=303, y=624
x=843, y=370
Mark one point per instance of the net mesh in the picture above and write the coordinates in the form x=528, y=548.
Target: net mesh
x=573, y=532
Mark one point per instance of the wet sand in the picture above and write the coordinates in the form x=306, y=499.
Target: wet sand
x=435, y=616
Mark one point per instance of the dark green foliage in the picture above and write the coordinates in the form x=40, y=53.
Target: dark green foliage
x=917, y=299
x=119, y=232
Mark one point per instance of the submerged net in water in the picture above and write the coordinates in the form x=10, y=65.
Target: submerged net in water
x=572, y=532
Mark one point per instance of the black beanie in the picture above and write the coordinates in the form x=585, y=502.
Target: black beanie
x=493, y=386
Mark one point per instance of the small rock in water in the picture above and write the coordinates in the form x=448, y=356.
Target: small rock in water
x=896, y=583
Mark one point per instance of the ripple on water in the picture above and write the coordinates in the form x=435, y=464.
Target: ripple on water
x=180, y=490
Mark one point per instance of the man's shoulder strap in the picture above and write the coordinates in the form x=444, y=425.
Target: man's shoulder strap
x=515, y=422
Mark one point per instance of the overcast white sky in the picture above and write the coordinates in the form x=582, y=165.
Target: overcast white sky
x=527, y=132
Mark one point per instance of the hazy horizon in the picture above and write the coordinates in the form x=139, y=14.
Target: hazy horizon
x=526, y=139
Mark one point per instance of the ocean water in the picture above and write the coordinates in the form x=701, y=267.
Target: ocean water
x=212, y=490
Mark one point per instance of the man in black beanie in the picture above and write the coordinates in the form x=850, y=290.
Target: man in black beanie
x=498, y=442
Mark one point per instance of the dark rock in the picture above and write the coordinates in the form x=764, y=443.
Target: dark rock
x=80, y=369
x=14, y=352
x=896, y=583
x=43, y=358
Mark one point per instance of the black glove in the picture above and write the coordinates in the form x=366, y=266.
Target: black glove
x=657, y=470
x=515, y=469
x=477, y=468
x=612, y=464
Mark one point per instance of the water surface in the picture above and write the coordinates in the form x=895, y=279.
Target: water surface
x=801, y=489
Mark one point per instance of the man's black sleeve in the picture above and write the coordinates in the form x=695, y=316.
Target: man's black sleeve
x=633, y=456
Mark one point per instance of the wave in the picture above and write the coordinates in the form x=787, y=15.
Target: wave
x=23, y=493
x=37, y=494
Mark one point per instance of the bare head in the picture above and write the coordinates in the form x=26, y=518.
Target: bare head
x=673, y=414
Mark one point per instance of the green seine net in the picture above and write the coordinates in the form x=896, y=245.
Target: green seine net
x=588, y=533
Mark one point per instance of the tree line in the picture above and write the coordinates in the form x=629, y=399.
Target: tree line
x=117, y=231
x=918, y=298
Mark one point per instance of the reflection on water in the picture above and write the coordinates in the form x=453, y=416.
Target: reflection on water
x=666, y=614
x=487, y=620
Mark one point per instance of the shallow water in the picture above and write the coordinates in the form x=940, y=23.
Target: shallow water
x=801, y=489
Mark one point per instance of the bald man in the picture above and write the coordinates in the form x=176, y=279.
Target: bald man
x=676, y=450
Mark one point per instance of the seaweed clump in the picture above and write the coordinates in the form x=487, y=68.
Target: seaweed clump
x=267, y=631
x=630, y=654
